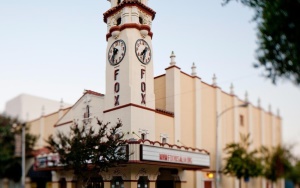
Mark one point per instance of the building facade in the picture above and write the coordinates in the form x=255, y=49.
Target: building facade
x=174, y=122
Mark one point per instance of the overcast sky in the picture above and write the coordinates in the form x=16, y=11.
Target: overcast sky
x=56, y=49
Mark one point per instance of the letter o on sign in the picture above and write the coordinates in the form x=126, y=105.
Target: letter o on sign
x=117, y=87
x=143, y=86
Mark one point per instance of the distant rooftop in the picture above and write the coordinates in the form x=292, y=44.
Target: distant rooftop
x=28, y=107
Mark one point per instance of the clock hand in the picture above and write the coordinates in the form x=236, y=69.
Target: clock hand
x=144, y=52
x=115, y=51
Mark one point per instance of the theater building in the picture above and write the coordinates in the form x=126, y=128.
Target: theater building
x=169, y=120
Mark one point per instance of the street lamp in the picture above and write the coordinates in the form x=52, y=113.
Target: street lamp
x=23, y=155
x=217, y=137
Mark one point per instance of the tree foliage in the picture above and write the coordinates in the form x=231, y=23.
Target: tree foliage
x=240, y=162
x=10, y=129
x=277, y=163
x=278, y=37
x=85, y=150
x=294, y=174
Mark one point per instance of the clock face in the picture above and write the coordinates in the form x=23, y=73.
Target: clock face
x=143, y=51
x=116, y=52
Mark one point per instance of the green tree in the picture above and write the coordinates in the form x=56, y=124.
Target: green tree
x=278, y=37
x=294, y=174
x=241, y=163
x=87, y=151
x=10, y=129
x=277, y=163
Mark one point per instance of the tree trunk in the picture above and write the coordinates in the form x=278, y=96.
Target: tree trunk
x=240, y=183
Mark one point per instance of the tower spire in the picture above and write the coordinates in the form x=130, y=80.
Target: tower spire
x=172, y=56
x=214, y=79
x=231, y=89
x=194, y=72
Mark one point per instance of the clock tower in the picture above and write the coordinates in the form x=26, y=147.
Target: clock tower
x=129, y=67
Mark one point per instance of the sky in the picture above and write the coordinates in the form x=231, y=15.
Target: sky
x=55, y=49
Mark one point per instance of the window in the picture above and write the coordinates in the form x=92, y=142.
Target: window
x=241, y=120
x=143, y=136
x=87, y=112
x=119, y=1
x=119, y=21
x=143, y=133
x=164, y=138
x=141, y=20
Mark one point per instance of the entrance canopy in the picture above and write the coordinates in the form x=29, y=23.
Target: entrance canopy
x=148, y=152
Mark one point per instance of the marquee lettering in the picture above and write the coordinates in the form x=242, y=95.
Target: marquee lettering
x=174, y=158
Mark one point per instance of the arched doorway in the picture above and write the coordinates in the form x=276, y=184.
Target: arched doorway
x=39, y=179
x=143, y=182
x=167, y=178
x=62, y=183
x=117, y=182
x=95, y=182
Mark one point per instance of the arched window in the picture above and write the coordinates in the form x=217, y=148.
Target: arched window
x=141, y=20
x=119, y=20
x=87, y=112
x=143, y=136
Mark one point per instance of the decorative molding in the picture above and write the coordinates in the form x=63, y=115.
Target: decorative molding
x=131, y=26
x=164, y=112
x=141, y=172
x=127, y=105
x=129, y=3
x=173, y=66
x=57, y=125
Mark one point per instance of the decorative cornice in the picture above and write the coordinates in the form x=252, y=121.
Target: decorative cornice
x=53, y=113
x=162, y=75
x=129, y=3
x=164, y=112
x=174, y=66
x=93, y=93
x=171, y=146
x=57, y=125
x=127, y=105
x=130, y=26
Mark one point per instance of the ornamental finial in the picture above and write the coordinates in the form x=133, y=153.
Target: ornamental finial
x=246, y=97
x=231, y=89
x=173, y=56
x=61, y=104
x=194, y=72
x=43, y=110
x=214, y=79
